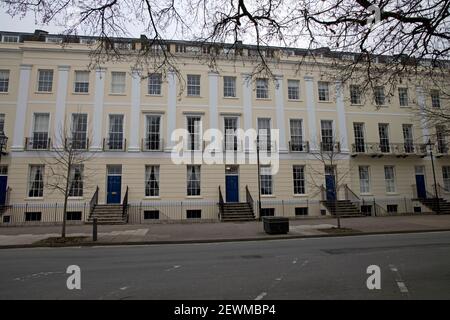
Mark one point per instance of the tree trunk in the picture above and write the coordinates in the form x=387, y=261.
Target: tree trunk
x=66, y=195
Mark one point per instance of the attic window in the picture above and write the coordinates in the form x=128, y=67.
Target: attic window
x=122, y=45
x=53, y=39
x=87, y=40
x=10, y=38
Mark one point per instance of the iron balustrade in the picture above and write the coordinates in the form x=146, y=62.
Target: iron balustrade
x=114, y=144
x=125, y=206
x=149, y=144
x=399, y=149
x=76, y=143
x=38, y=142
x=299, y=146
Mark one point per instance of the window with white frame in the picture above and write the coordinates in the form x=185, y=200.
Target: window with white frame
x=355, y=94
x=380, y=98
x=264, y=134
x=76, y=181
x=10, y=38
x=293, y=89
x=364, y=179
x=193, y=85
x=389, y=178
x=53, y=39
x=358, y=129
x=36, y=181
x=2, y=123
x=193, y=180
x=45, y=80
x=118, y=82
x=299, y=179
x=4, y=80
x=154, y=84
x=408, y=138
x=230, y=125
x=446, y=177
x=435, y=99
x=266, y=180
x=79, y=131
x=194, y=128
x=115, y=134
x=152, y=181
x=229, y=87
x=296, y=143
x=403, y=97
x=40, y=131
x=383, y=131
x=122, y=45
x=81, y=82
x=262, y=88
x=327, y=135
x=441, y=140
x=324, y=90
x=153, y=133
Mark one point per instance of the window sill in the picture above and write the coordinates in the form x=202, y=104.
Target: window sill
x=263, y=99
x=4, y=92
x=34, y=199
x=231, y=98
x=406, y=107
x=303, y=195
x=295, y=100
x=392, y=193
x=366, y=194
x=43, y=92
x=152, y=198
x=153, y=95
x=325, y=101
x=117, y=94
x=194, y=197
x=193, y=96
x=356, y=104
x=81, y=93
x=75, y=198
x=268, y=196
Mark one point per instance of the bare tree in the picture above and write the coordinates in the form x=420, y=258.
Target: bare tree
x=374, y=42
x=66, y=172
x=333, y=165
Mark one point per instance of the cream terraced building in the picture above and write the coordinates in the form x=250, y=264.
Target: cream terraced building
x=126, y=121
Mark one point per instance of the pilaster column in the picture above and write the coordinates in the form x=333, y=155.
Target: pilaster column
x=423, y=121
x=97, y=127
x=21, y=110
x=171, y=109
x=213, y=78
x=311, y=111
x=135, y=110
x=60, y=112
x=279, y=103
x=341, y=117
x=247, y=102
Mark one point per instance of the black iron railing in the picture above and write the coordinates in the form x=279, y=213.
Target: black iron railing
x=352, y=197
x=37, y=142
x=221, y=203
x=93, y=202
x=76, y=143
x=249, y=199
x=148, y=144
x=114, y=144
x=125, y=206
x=330, y=147
x=297, y=146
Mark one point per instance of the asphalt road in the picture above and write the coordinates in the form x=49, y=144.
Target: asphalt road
x=413, y=266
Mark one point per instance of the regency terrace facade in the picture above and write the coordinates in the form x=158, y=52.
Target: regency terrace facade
x=126, y=122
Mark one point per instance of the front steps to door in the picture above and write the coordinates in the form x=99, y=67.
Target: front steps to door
x=239, y=211
x=108, y=214
x=432, y=203
x=344, y=208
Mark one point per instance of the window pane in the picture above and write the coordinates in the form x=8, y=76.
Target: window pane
x=299, y=179
x=229, y=86
x=293, y=89
x=193, y=180
x=262, y=88
x=324, y=94
x=193, y=85
x=152, y=181
x=154, y=84
x=45, y=80
x=4, y=80
x=153, y=135
x=364, y=183
x=118, y=82
x=36, y=181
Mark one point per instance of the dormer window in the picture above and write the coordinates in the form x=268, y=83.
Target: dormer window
x=122, y=45
x=10, y=38
x=53, y=39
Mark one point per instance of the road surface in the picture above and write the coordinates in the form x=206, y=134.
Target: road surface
x=413, y=266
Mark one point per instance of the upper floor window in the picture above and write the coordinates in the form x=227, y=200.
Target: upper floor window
x=194, y=128
x=229, y=87
x=53, y=39
x=76, y=181
x=40, y=131
x=358, y=130
x=87, y=41
x=122, y=45
x=79, y=131
x=180, y=48
x=441, y=139
x=4, y=80
x=10, y=38
x=81, y=82
x=154, y=84
x=36, y=181
x=324, y=91
x=355, y=94
x=118, y=82
x=327, y=135
x=296, y=143
x=45, y=80
x=152, y=181
x=408, y=138
x=379, y=96
x=193, y=85
x=262, y=88
x=403, y=97
x=383, y=131
x=293, y=89
x=264, y=134
x=153, y=133
x=435, y=99
x=115, y=139
x=230, y=125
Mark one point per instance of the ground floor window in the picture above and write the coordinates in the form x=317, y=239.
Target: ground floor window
x=76, y=181
x=194, y=214
x=266, y=180
x=299, y=179
x=193, y=180
x=364, y=179
x=446, y=177
x=152, y=181
x=366, y=209
x=36, y=181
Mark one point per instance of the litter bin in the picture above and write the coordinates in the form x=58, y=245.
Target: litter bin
x=276, y=225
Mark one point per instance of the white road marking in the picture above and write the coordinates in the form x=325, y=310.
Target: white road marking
x=402, y=286
x=173, y=268
x=261, y=296
x=304, y=263
x=295, y=261
x=398, y=279
x=278, y=279
x=124, y=288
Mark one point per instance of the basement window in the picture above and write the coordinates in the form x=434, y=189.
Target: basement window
x=151, y=214
x=193, y=214
x=301, y=211
x=73, y=215
x=392, y=208
x=33, y=216
x=267, y=212
x=6, y=219
x=366, y=210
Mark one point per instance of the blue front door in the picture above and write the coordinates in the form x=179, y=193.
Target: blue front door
x=232, y=188
x=330, y=187
x=114, y=189
x=3, y=184
x=420, y=184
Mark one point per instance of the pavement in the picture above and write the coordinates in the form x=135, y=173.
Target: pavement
x=411, y=266
x=160, y=233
